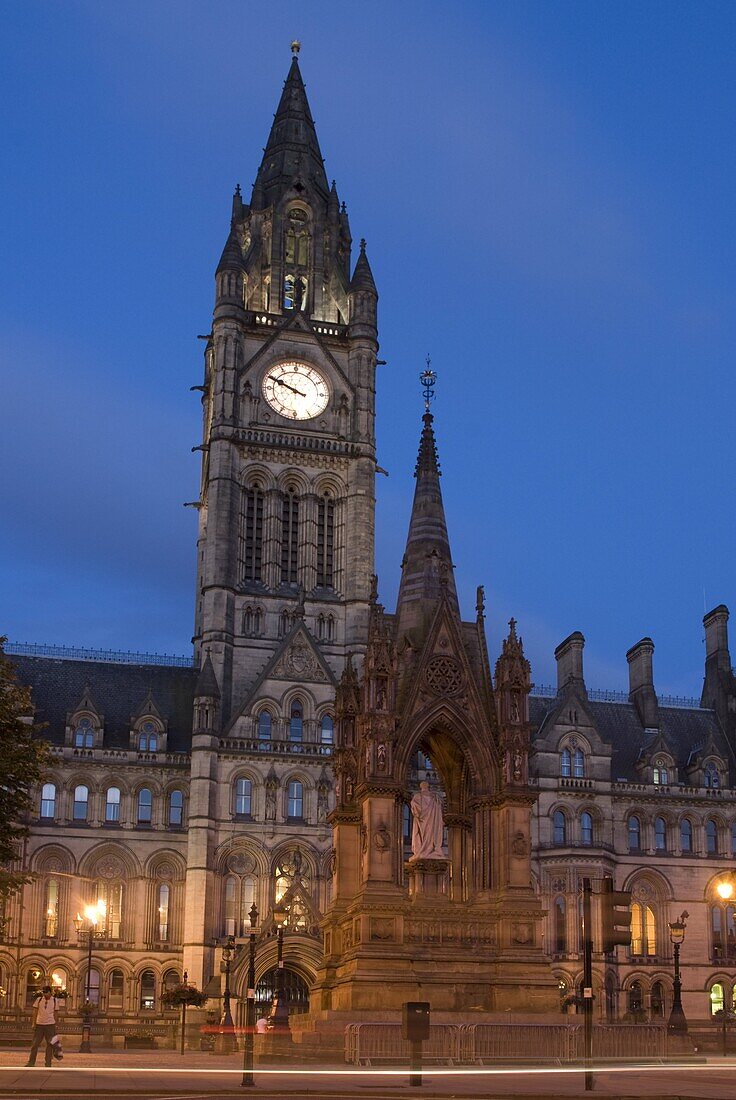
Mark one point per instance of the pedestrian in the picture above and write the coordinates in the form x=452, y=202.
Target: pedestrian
x=44, y=1025
x=261, y=1026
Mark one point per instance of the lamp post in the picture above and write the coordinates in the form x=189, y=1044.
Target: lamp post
x=279, y=1016
x=227, y=1029
x=724, y=889
x=92, y=914
x=250, y=1007
x=677, y=1022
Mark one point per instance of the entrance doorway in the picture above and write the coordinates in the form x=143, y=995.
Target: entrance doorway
x=296, y=992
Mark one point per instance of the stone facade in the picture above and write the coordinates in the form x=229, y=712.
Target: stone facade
x=278, y=768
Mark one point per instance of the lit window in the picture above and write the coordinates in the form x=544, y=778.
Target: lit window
x=176, y=808
x=559, y=827
x=643, y=930
x=295, y=808
x=660, y=773
x=112, y=804
x=634, y=834
x=84, y=734
x=51, y=922
x=239, y=896
x=163, y=912
x=148, y=989
x=716, y=998
x=110, y=896
x=145, y=806
x=81, y=802
x=243, y=797
x=48, y=801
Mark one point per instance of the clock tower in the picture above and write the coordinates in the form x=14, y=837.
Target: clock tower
x=286, y=509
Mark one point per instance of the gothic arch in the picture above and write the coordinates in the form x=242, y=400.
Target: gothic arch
x=164, y=858
x=43, y=859
x=242, y=848
x=293, y=480
x=107, y=850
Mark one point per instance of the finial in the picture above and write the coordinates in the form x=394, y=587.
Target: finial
x=362, y=244
x=343, y=208
x=428, y=378
x=237, y=189
x=480, y=601
x=295, y=47
x=512, y=625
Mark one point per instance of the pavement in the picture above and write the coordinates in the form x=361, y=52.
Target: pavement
x=166, y=1075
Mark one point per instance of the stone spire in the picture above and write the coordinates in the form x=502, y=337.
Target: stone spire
x=292, y=150
x=363, y=276
x=426, y=571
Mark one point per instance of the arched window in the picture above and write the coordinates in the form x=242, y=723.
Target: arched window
x=264, y=727
x=635, y=998
x=656, y=1001
x=295, y=801
x=148, y=989
x=711, y=777
x=296, y=721
x=723, y=932
x=560, y=918
x=325, y=541
x=565, y=764
x=145, y=806
x=51, y=917
x=660, y=834
x=176, y=808
x=289, y=537
x=284, y=623
x=243, y=798
x=711, y=837
x=251, y=536
x=578, y=764
x=559, y=828
x=58, y=983
x=84, y=734
x=643, y=929
x=164, y=893
x=110, y=896
x=171, y=979
x=239, y=896
x=81, y=803
x=92, y=986
x=660, y=772
x=112, y=805
x=634, y=826
x=686, y=835
x=717, y=999
x=326, y=734
x=586, y=828
x=48, y=801
x=116, y=990
x=148, y=738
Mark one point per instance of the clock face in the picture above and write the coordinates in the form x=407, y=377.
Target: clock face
x=296, y=390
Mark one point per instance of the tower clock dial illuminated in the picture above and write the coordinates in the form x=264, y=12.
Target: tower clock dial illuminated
x=296, y=390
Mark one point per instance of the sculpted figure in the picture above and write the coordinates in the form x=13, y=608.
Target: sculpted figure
x=426, y=833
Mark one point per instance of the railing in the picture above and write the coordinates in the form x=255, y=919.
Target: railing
x=601, y=695
x=112, y=656
x=468, y=1044
x=279, y=748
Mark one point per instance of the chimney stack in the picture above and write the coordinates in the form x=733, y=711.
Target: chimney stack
x=717, y=656
x=641, y=683
x=569, y=657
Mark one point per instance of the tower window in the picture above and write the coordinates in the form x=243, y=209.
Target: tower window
x=289, y=538
x=325, y=541
x=289, y=292
x=251, y=534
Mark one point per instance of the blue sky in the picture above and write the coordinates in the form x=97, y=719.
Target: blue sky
x=547, y=194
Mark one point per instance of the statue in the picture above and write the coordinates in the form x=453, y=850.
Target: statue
x=427, y=827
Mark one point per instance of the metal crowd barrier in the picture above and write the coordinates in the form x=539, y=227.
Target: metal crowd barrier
x=465, y=1044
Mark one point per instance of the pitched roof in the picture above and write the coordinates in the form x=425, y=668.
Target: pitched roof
x=118, y=691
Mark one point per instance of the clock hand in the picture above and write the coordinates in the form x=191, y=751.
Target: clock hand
x=293, y=390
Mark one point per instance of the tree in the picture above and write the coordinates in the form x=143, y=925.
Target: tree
x=23, y=759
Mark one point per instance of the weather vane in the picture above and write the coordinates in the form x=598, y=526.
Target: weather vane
x=428, y=378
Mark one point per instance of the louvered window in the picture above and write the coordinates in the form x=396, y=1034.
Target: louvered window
x=326, y=542
x=251, y=534
x=289, y=538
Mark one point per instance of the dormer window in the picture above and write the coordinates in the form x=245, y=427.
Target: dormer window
x=148, y=738
x=660, y=773
x=711, y=777
x=84, y=734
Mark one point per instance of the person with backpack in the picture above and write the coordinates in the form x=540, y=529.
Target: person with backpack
x=44, y=1026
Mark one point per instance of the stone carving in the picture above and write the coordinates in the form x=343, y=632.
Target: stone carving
x=240, y=863
x=322, y=802
x=333, y=862
x=427, y=827
x=444, y=676
x=519, y=846
x=382, y=928
x=521, y=932
x=164, y=870
x=381, y=756
x=382, y=838
x=270, y=801
x=299, y=662
x=110, y=868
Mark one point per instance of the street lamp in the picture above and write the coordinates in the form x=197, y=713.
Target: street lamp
x=93, y=914
x=677, y=1022
x=250, y=1007
x=724, y=889
x=227, y=1029
x=279, y=1016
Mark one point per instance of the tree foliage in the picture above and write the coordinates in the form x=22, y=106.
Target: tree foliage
x=23, y=758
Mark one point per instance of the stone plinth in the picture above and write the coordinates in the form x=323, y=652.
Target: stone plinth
x=428, y=878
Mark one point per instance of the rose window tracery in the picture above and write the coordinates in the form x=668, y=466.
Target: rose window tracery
x=444, y=676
